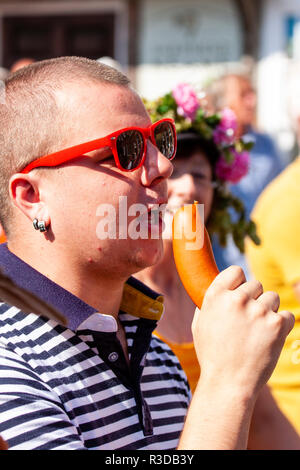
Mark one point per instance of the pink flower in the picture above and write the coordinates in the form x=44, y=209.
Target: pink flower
x=225, y=132
x=186, y=100
x=234, y=171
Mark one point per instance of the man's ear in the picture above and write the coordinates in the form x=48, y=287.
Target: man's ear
x=25, y=195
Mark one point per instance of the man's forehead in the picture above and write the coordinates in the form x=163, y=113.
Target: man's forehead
x=101, y=108
x=89, y=95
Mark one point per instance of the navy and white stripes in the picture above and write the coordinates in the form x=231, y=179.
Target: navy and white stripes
x=56, y=392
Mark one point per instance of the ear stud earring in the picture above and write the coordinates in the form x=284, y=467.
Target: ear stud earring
x=41, y=226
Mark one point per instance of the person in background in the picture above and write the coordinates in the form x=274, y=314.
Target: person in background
x=200, y=174
x=277, y=264
x=237, y=93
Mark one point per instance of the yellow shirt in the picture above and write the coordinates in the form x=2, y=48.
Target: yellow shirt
x=276, y=263
x=187, y=357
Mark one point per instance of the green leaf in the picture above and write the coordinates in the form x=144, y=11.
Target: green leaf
x=162, y=109
x=252, y=232
x=228, y=155
x=213, y=120
x=199, y=114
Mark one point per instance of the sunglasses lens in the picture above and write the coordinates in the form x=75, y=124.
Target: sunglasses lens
x=164, y=135
x=130, y=148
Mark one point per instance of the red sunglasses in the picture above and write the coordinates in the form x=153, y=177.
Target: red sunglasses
x=128, y=146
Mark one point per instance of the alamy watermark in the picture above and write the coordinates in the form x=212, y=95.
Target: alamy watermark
x=140, y=221
x=296, y=352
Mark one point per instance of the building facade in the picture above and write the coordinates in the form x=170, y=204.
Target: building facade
x=160, y=34
x=162, y=42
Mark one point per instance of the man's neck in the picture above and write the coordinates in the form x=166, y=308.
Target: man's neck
x=175, y=325
x=162, y=276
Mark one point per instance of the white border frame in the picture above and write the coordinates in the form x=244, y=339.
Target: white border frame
x=118, y=7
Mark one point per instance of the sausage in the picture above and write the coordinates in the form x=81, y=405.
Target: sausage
x=196, y=268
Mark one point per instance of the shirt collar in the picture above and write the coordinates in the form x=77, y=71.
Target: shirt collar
x=138, y=299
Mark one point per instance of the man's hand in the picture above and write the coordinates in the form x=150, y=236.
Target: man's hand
x=238, y=336
x=239, y=332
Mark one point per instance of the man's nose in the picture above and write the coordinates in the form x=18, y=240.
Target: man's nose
x=156, y=166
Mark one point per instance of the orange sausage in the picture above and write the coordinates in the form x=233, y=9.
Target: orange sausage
x=196, y=268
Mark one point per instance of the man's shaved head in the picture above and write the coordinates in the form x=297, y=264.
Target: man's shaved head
x=33, y=121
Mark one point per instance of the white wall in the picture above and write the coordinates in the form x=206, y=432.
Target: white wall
x=190, y=40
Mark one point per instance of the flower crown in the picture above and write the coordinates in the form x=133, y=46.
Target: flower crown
x=228, y=213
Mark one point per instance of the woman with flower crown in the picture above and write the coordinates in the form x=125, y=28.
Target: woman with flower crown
x=209, y=155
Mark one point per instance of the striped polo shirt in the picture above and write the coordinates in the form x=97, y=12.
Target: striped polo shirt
x=71, y=387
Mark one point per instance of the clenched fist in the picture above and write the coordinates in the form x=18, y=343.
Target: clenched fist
x=238, y=332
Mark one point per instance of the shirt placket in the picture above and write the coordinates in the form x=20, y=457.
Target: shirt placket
x=111, y=352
